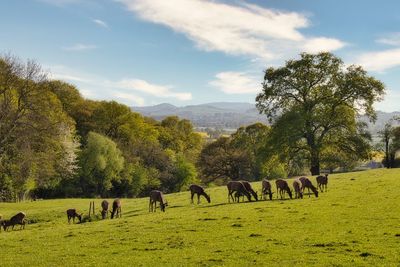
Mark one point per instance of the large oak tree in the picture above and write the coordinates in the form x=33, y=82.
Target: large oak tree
x=315, y=98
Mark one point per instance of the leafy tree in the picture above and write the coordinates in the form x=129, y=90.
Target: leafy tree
x=220, y=161
x=101, y=163
x=314, y=98
x=34, y=129
x=390, y=137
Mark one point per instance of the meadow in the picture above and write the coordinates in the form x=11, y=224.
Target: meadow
x=355, y=223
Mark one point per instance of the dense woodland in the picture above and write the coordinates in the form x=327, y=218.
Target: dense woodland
x=55, y=143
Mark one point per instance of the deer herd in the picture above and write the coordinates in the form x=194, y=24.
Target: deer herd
x=236, y=189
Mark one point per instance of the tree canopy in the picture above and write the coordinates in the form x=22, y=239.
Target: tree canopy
x=313, y=102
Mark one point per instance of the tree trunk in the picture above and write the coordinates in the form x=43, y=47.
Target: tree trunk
x=314, y=163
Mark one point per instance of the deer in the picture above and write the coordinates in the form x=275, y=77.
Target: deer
x=322, y=182
x=104, y=211
x=236, y=186
x=157, y=196
x=266, y=189
x=116, y=209
x=18, y=218
x=248, y=187
x=197, y=189
x=297, y=189
x=281, y=187
x=306, y=183
x=71, y=214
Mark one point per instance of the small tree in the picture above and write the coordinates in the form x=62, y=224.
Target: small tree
x=101, y=163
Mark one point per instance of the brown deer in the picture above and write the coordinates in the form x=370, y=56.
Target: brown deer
x=104, y=211
x=281, y=187
x=197, y=189
x=116, y=209
x=248, y=187
x=19, y=218
x=322, y=182
x=297, y=189
x=71, y=213
x=157, y=196
x=306, y=183
x=266, y=189
x=236, y=186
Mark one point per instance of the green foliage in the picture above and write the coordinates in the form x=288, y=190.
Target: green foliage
x=34, y=130
x=101, y=163
x=315, y=99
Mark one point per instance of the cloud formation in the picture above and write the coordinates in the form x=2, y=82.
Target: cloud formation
x=79, y=47
x=101, y=23
x=379, y=60
x=240, y=29
x=236, y=83
x=390, y=39
x=163, y=91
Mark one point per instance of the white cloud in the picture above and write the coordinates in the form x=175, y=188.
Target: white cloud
x=391, y=39
x=79, y=47
x=241, y=29
x=101, y=23
x=236, y=83
x=163, y=91
x=321, y=44
x=129, y=99
x=379, y=60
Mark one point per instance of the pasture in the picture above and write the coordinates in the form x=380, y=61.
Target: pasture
x=355, y=223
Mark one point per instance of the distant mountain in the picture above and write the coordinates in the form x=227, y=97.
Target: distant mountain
x=227, y=115
x=230, y=115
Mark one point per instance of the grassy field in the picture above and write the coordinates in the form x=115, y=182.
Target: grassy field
x=356, y=223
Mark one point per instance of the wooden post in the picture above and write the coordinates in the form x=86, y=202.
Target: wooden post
x=90, y=208
x=93, y=208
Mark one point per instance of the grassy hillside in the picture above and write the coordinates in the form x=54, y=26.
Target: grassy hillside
x=356, y=223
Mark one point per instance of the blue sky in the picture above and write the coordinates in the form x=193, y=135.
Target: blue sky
x=145, y=52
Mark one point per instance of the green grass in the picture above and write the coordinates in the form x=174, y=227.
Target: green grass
x=356, y=223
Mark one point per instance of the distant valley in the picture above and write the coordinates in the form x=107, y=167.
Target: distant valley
x=229, y=115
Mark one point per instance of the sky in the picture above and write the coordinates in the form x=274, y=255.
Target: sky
x=185, y=52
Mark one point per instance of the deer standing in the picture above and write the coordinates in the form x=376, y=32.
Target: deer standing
x=248, y=187
x=297, y=189
x=281, y=187
x=71, y=214
x=236, y=186
x=104, y=209
x=197, y=189
x=19, y=218
x=157, y=196
x=322, y=182
x=306, y=183
x=116, y=209
x=266, y=189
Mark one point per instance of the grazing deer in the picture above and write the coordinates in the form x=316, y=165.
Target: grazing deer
x=266, y=189
x=297, y=189
x=116, y=209
x=236, y=186
x=71, y=213
x=281, y=187
x=157, y=196
x=306, y=183
x=104, y=211
x=248, y=187
x=197, y=189
x=322, y=182
x=19, y=218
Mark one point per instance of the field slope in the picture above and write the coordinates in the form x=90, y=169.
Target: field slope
x=356, y=223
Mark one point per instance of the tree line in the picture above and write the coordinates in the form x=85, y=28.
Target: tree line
x=55, y=143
